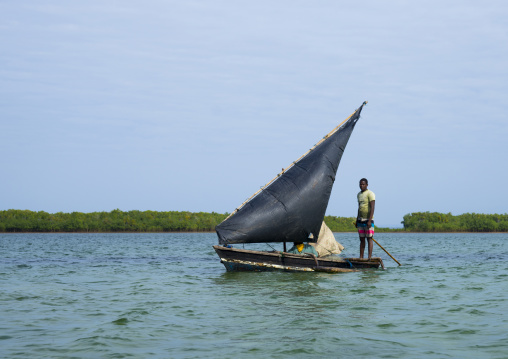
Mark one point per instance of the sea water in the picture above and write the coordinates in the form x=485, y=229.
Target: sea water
x=168, y=296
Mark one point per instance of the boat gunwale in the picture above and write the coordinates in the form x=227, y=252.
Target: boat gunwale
x=259, y=266
x=374, y=262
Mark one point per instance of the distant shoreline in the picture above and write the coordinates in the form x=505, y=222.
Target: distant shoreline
x=117, y=221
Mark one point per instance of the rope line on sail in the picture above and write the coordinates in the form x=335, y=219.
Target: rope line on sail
x=294, y=162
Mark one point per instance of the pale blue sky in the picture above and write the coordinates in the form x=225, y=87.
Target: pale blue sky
x=193, y=105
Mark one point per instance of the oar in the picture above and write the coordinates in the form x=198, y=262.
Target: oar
x=386, y=251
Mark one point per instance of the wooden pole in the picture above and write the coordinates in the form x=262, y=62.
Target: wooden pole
x=386, y=251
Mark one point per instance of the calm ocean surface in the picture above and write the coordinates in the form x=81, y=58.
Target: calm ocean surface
x=168, y=296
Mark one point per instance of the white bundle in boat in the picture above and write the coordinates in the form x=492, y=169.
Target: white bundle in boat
x=326, y=243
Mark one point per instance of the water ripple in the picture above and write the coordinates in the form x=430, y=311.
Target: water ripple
x=167, y=295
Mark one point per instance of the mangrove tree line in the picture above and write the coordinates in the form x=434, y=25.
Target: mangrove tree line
x=14, y=220
x=467, y=222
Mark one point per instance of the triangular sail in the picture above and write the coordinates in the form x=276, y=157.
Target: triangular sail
x=292, y=208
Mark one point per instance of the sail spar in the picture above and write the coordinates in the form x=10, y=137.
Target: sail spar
x=292, y=207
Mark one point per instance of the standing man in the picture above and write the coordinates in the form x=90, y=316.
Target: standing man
x=364, y=219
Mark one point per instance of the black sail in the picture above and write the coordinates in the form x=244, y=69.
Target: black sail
x=292, y=208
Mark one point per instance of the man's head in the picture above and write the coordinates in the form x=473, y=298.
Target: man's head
x=364, y=184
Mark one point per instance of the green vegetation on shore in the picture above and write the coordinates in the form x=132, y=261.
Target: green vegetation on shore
x=467, y=222
x=115, y=221
x=14, y=220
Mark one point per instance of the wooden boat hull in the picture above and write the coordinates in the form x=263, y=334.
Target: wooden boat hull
x=235, y=259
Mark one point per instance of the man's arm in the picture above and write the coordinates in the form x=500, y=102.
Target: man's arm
x=372, y=205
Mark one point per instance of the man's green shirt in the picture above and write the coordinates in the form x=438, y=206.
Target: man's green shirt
x=364, y=198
